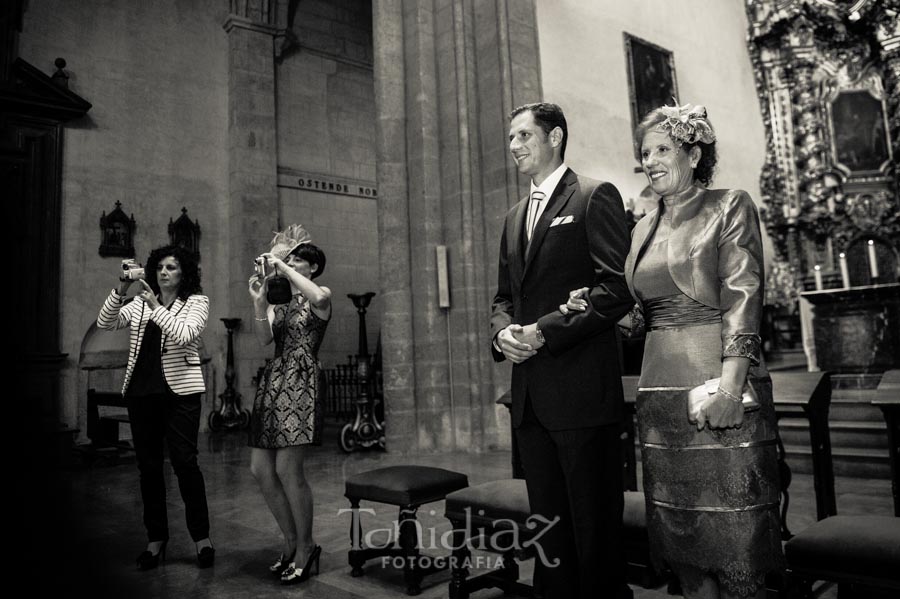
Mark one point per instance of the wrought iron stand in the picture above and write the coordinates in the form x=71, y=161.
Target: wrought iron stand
x=229, y=415
x=365, y=431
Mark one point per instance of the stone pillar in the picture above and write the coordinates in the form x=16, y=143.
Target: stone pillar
x=445, y=81
x=252, y=169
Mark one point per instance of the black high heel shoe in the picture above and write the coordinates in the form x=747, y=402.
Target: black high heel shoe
x=148, y=561
x=294, y=576
x=282, y=563
x=206, y=557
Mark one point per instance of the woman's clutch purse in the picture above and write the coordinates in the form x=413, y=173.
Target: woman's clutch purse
x=701, y=393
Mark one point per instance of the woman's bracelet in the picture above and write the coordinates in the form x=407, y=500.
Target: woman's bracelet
x=261, y=319
x=730, y=396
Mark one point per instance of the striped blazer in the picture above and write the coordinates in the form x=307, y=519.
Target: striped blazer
x=181, y=327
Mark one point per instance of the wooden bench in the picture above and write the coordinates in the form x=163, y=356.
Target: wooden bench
x=808, y=395
x=103, y=431
x=888, y=399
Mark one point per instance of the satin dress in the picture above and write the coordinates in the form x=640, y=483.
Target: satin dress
x=711, y=495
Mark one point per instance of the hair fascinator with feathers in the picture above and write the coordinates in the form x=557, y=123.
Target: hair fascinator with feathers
x=687, y=124
x=289, y=240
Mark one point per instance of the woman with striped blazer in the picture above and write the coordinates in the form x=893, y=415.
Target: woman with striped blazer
x=163, y=383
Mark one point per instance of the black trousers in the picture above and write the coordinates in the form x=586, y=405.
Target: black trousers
x=174, y=419
x=576, y=475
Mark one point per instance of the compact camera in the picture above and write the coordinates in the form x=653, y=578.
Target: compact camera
x=131, y=270
x=259, y=266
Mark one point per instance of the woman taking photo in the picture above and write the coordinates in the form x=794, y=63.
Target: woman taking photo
x=696, y=270
x=287, y=415
x=163, y=383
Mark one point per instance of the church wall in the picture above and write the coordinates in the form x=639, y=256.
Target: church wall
x=326, y=131
x=154, y=140
x=583, y=66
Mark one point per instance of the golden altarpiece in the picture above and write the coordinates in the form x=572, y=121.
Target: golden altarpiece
x=828, y=80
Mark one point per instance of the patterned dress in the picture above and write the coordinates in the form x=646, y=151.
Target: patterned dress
x=287, y=410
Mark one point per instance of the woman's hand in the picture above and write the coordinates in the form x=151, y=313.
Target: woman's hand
x=578, y=300
x=257, y=289
x=147, y=295
x=124, y=284
x=274, y=264
x=720, y=411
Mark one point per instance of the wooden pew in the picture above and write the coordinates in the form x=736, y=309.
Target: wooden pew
x=103, y=431
x=808, y=394
x=888, y=399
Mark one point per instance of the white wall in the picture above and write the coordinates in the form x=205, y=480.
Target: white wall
x=583, y=69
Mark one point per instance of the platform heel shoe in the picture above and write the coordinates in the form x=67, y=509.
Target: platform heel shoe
x=282, y=563
x=148, y=561
x=293, y=575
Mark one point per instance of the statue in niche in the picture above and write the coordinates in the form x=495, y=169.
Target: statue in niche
x=184, y=233
x=117, y=233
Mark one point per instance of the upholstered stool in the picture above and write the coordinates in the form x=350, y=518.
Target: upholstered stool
x=498, y=510
x=491, y=516
x=854, y=551
x=407, y=487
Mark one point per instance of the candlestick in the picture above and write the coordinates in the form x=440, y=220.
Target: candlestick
x=845, y=273
x=817, y=273
x=873, y=260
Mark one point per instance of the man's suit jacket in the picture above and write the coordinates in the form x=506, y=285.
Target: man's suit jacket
x=581, y=240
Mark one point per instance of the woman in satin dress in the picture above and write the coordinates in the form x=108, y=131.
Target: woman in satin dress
x=695, y=269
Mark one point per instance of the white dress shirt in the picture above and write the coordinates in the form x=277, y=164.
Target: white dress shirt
x=536, y=209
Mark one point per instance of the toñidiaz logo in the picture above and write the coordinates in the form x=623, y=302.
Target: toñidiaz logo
x=503, y=536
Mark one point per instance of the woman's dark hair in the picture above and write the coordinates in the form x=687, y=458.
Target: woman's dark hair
x=706, y=167
x=548, y=117
x=190, y=270
x=312, y=254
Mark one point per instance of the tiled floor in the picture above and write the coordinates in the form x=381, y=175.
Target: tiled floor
x=99, y=511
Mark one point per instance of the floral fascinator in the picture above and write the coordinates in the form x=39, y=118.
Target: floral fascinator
x=288, y=240
x=687, y=124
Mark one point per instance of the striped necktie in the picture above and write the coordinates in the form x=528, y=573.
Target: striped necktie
x=533, y=206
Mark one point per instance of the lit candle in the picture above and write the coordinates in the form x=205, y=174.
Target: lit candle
x=845, y=273
x=817, y=273
x=873, y=261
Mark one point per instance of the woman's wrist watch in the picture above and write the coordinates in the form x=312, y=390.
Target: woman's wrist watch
x=539, y=335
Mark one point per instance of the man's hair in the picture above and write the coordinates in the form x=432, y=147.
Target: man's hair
x=548, y=117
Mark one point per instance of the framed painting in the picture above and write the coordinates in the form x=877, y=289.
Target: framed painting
x=859, y=132
x=651, y=77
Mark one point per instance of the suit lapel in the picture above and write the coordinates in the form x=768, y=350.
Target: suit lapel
x=557, y=202
x=515, y=236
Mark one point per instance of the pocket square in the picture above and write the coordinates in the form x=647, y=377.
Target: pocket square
x=562, y=220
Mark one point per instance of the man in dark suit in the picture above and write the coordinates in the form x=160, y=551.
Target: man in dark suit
x=567, y=401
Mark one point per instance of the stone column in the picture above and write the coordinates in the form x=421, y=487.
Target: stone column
x=252, y=168
x=445, y=81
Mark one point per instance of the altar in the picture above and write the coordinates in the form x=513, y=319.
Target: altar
x=856, y=329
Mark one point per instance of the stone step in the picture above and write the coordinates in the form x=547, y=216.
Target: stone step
x=844, y=433
x=860, y=463
x=854, y=409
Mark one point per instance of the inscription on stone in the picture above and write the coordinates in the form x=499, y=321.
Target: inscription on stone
x=327, y=185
